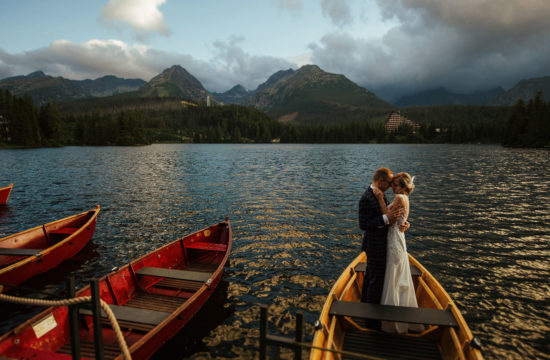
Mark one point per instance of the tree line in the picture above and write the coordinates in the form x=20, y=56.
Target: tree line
x=22, y=123
x=529, y=124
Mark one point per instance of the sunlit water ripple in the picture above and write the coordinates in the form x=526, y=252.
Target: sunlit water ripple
x=480, y=223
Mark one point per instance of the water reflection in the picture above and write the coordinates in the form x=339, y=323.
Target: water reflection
x=479, y=220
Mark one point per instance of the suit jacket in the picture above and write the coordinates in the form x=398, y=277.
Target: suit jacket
x=372, y=222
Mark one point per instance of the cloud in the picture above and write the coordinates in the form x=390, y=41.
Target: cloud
x=143, y=16
x=231, y=65
x=338, y=11
x=504, y=18
x=238, y=66
x=465, y=46
x=91, y=59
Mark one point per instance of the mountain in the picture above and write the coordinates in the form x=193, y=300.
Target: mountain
x=175, y=82
x=110, y=85
x=526, y=90
x=310, y=95
x=236, y=95
x=442, y=96
x=43, y=88
x=273, y=79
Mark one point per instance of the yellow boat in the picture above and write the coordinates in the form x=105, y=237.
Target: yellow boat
x=341, y=333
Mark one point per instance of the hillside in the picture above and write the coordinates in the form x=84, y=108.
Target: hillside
x=442, y=96
x=43, y=88
x=310, y=95
x=526, y=90
x=236, y=95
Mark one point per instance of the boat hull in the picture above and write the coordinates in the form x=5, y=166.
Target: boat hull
x=446, y=342
x=57, y=241
x=153, y=298
x=5, y=194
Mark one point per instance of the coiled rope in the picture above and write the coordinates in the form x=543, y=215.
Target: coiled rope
x=75, y=301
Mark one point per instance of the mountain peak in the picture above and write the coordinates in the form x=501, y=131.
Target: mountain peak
x=175, y=70
x=175, y=82
x=309, y=91
x=36, y=74
x=309, y=68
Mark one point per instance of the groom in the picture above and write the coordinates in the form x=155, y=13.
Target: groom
x=375, y=224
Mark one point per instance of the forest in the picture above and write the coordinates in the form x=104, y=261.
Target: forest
x=529, y=124
x=23, y=124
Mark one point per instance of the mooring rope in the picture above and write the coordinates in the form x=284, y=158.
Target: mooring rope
x=75, y=301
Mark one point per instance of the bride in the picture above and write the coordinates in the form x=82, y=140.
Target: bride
x=398, y=287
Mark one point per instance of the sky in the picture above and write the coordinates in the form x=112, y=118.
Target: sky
x=391, y=47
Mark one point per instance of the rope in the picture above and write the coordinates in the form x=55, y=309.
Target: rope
x=75, y=301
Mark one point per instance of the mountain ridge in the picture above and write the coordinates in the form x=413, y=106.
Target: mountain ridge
x=306, y=95
x=442, y=96
x=43, y=88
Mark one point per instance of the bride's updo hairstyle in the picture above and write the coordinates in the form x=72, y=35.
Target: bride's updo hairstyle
x=405, y=181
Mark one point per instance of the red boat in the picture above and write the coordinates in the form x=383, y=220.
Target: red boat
x=152, y=298
x=5, y=194
x=34, y=251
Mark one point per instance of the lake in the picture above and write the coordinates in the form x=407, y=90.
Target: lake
x=480, y=223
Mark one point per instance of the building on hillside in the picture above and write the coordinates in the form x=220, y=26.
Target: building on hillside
x=395, y=120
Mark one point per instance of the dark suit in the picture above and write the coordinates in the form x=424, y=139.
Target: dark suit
x=374, y=244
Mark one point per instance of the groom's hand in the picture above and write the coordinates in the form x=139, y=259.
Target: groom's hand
x=404, y=227
x=393, y=214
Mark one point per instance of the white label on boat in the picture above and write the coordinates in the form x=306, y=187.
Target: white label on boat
x=44, y=325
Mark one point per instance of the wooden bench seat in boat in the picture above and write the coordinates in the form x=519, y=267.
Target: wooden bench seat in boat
x=20, y=252
x=426, y=316
x=132, y=314
x=389, y=346
x=362, y=267
x=174, y=274
x=206, y=246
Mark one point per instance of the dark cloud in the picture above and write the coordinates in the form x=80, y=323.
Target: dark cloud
x=338, y=11
x=465, y=46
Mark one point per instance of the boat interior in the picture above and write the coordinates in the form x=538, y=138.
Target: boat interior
x=31, y=242
x=347, y=323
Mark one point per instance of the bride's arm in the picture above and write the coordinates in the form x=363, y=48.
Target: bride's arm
x=393, y=211
x=404, y=202
x=380, y=197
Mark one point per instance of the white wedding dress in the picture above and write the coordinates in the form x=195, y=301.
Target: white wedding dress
x=398, y=287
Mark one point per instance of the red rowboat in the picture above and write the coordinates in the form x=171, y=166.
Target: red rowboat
x=5, y=194
x=34, y=251
x=152, y=298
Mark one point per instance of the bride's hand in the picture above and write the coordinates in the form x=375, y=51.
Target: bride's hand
x=378, y=193
x=405, y=226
